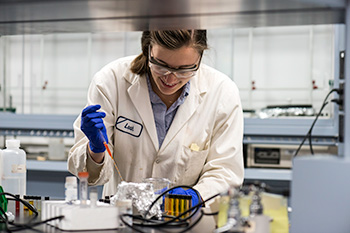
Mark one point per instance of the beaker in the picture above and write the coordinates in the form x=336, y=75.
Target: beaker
x=159, y=186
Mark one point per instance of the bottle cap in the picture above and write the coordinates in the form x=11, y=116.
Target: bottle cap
x=12, y=143
x=83, y=174
x=71, y=180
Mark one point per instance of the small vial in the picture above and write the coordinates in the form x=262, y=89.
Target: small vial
x=31, y=201
x=83, y=188
x=17, y=206
x=38, y=203
x=125, y=207
x=93, y=197
x=71, y=192
x=26, y=198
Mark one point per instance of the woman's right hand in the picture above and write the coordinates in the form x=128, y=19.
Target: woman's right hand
x=93, y=127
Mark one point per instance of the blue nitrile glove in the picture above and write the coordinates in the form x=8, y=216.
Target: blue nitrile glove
x=181, y=191
x=92, y=126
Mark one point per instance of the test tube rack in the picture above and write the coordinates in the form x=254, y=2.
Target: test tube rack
x=76, y=217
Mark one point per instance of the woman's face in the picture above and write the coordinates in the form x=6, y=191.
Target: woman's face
x=182, y=58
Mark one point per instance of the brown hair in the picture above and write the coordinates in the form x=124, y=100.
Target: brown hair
x=173, y=39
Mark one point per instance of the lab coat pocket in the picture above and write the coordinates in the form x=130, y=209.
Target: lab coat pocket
x=191, y=166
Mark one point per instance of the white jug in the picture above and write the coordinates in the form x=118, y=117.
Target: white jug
x=13, y=171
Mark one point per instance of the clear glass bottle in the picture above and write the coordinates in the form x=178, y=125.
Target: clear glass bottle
x=71, y=192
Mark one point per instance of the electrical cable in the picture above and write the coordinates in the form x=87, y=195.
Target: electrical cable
x=309, y=133
x=312, y=126
x=167, y=191
x=27, y=204
x=195, y=223
x=19, y=227
x=169, y=223
x=34, y=224
x=175, y=221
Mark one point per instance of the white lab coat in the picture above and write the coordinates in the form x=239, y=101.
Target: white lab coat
x=211, y=118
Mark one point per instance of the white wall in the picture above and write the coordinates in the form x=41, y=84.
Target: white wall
x=50, y=74
x=281, y=61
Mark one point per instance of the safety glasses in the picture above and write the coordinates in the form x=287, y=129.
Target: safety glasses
x=163, y=70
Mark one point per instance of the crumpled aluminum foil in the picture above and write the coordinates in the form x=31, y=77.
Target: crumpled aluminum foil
x=142, y=196
x=285, y=111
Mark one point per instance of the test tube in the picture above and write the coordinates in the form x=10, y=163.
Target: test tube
x=17, y=206
x=26, y=198
x=83, y=188
x=93, y=197
x=31, y=201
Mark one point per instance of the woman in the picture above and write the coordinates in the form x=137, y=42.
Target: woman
x=163, y=114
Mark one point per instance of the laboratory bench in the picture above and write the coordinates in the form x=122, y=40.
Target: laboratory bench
x=47, y=178
x=206, y=224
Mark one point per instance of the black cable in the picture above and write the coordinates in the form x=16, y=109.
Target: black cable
x=167, y=191
x=211, y=214
x=4, y=218
x=312, y=126
x=169, y=223
x=128, y=225
x=195, y=223
x=27, y=204
x=309, y=133
x=18, y=227
x=30, y=226
x=195, y=208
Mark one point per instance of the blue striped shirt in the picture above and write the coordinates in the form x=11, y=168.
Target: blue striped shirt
x=163, y=117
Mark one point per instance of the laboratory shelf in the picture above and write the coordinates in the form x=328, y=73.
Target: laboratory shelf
x=54, y=166
x=259, y=131
x=290, y=126
x=250, y=173
x=268, y=174
x=46, y=125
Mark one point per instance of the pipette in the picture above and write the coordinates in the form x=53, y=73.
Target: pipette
x=110, y=154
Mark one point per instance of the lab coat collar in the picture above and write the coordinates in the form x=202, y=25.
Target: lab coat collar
x=185, y=111
x=139, y=95
x=138, y=92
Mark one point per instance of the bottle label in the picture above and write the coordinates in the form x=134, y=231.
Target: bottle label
x=18, y=168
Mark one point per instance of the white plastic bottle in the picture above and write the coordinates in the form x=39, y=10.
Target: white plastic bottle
x=13, y=170
x=71, y=192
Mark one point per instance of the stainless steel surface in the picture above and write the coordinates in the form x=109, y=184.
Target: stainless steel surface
x=36, y=17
